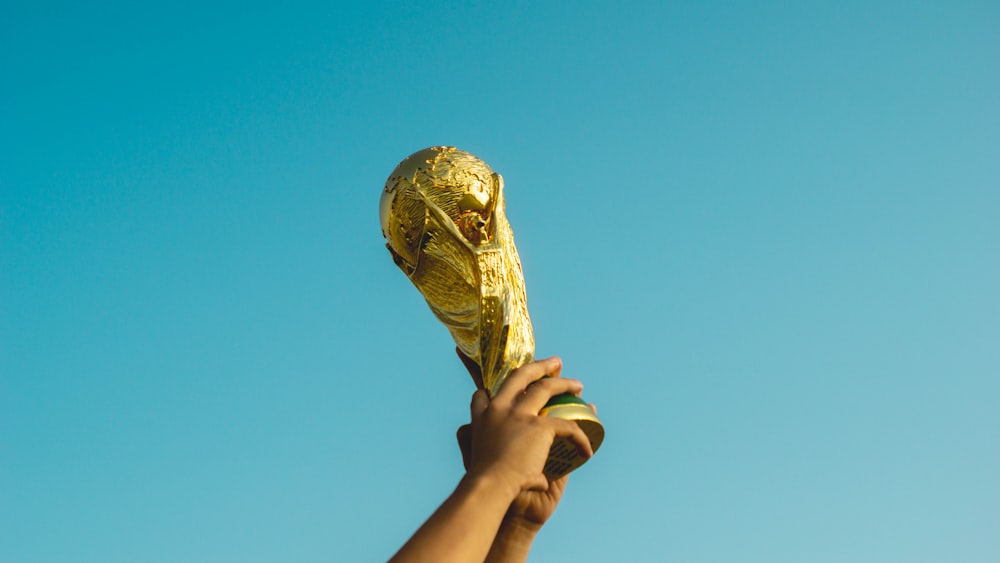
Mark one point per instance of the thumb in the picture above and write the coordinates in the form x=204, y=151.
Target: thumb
x=480, y=400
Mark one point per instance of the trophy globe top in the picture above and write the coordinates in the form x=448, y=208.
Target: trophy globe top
x=442, y=213
x=459, y=184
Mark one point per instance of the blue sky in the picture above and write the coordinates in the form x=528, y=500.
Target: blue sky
x=764, y=235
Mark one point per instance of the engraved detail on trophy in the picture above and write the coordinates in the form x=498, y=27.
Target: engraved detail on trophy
x=443, y=215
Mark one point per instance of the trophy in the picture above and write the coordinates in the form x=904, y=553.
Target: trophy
x=442, y=213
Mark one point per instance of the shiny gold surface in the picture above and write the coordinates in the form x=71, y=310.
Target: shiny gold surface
x=442, y=213
x=564, y=457
x=443, y=217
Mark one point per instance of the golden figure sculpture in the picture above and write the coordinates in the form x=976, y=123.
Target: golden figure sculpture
x=443, y=216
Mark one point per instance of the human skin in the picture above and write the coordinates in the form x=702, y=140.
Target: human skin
x=530, y=509
x=509, y=443
x=524, y=518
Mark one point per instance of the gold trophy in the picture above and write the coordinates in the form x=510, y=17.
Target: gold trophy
x=442, y=213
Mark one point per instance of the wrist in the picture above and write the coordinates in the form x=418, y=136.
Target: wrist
x=513, y=541
x=519, y=528
x=492, y=484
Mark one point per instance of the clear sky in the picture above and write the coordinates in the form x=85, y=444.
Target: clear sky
x=765, y=235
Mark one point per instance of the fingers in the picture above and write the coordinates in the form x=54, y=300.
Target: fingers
x=509, y=436
x=539, y=392
x=519, y=379
x=572, y=432
x=560, y=482
x=480, y=400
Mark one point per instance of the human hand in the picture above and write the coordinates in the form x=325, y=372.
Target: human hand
x=531, y=508
x=507, y=437
x=508, y=445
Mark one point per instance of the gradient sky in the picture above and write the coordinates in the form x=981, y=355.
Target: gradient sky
x=765, y=235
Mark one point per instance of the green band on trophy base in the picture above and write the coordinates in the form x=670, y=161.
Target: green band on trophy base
x=443, y=216
x=564, y=457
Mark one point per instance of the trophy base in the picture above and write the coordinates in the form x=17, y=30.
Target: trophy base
x=563, y=457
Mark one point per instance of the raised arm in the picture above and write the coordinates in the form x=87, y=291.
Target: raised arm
x=509, y=445
x=529, y=511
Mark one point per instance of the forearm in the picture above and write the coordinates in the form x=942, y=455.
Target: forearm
x=513, y=541
x=465, y=525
